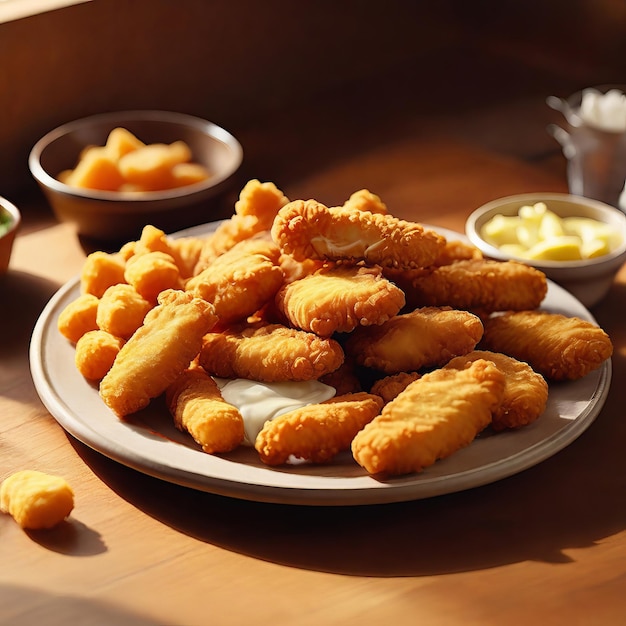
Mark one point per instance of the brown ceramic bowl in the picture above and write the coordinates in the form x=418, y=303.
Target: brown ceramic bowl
x=588, y=280
x=120, y=216
x=10, y=220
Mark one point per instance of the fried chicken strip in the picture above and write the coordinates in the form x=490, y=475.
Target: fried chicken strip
x=426, y=337
x=559, y=347
x=255, y=211
x=476, y=283
x=316, y=432
x=240, y=281
x=309, y=229
x=198, y=408
x=269, y=353
x=338, y=299
x=158, y=352
x=525, y=392
x=436, y=415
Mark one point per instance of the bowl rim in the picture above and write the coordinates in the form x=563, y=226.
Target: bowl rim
x=115, y=117
x=7, y=206
x=474, y=236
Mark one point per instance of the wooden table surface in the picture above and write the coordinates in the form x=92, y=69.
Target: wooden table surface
x=547, y=545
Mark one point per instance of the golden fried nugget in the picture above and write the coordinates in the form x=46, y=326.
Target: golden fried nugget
x=295, y=270
x=78, y=317
x=339, y=298
x=478, y=284
x=240, y=281
x=197, y=406
x=559, y=347
x=184, y=251
x=95, y=353
x=269, y=353
x=435, y=416
x=525, y=392
x=365, y=200
x=158, y=352
x=151, y=273
x=101, y=270
x=255, y=210
x=121, y=310
x=390, y=386
x=35, y=499
x=426, y=337
x=316, y=432
x=344, y=379
x=308, y=229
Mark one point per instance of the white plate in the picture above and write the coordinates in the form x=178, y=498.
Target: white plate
x=149, y=442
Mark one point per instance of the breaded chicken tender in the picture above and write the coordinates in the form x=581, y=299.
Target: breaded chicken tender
x=101, y=270
x=339, y=298
x=426, y=337
x=78, y=317
x=151, y=273
x=480, y=284
x=255, y=211
x=316, y=432
x=558, y=347
x=240, y=281
x=95, y=353
x=436, y=415
x=198, y=408
x=121, y=310
x=525, y=392
x=309, y=229
x=161, y=349
x=391, y=386
x=269, y=353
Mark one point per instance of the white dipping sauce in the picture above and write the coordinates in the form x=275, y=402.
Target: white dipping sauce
x=259, y=402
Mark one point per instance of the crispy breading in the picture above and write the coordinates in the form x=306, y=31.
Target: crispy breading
x=365, y=200
x=436, y=415
x=309, y=229
x=255, y=211
x=269, y=353
x=101, y=270
x=316, y=432
x=339, y=298
x=525, y=392
x=96, y=352
x=158, y=352
x=390, y=386
x=121, y=310
x=558, y=347
x=477, y=284
x=240, y=281
x=150, y=273
x=79, y=317
x=344, y=379
x=408, y=342
x=197, y=406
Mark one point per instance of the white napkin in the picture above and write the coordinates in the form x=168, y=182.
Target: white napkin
x=606, y=111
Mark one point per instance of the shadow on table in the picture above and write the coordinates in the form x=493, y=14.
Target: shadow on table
x=569, y=501
x=44, y=606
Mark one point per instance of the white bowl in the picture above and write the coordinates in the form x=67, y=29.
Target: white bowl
x=588, y=280
x=7, y=237
x=120, y=216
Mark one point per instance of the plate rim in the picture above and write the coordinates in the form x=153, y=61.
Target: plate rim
x=401, y=489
